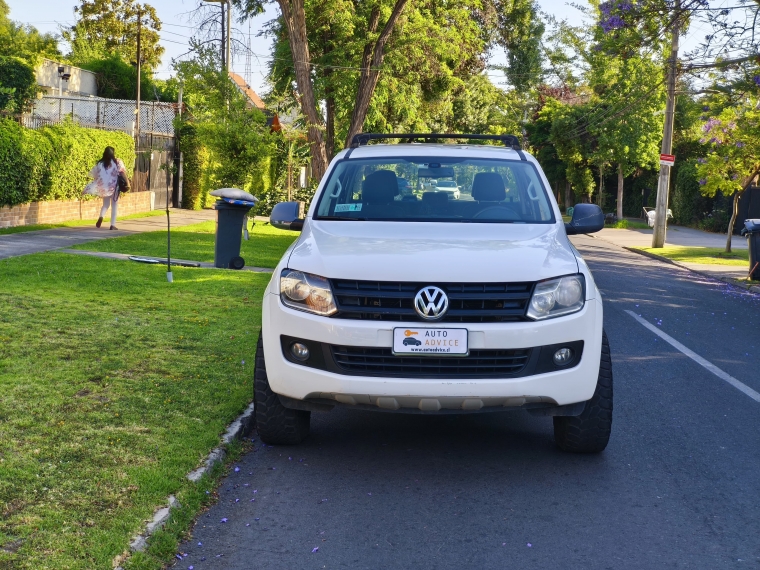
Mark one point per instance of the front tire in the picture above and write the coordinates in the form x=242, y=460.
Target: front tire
x=590, y=432
x=276, y=424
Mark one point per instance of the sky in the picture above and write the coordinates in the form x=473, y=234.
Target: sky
x=50, y=15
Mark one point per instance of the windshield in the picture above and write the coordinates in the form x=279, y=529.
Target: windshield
x=501, y=191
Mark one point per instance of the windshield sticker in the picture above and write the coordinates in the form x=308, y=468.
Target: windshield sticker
x=348, y=207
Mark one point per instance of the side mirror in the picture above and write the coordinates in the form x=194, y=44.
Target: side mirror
x=287, y=216
x=587, y=219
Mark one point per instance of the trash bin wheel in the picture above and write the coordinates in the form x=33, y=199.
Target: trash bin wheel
x=590, y=432
x=276, y=424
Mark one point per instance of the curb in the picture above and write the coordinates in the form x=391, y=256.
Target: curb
x=235, y=430
x=730, y=280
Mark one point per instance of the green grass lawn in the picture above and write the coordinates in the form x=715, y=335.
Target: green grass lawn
x=114, y=384
x=196, y=243
x=630, y=225
x=75, y=223
x=704, y=255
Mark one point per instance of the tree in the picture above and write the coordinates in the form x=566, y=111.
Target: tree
x=24, y=41
x=231, y=144
x=112, y=26
x=18, y=83
x=733, y=161
x=293, y=14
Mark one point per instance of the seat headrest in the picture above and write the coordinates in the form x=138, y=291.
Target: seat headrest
x=435, y=198
x=488, y=187
x=380, y=187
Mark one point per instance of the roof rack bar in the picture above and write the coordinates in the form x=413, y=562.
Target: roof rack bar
x=510, y=141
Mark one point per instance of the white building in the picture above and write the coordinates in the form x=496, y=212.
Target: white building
x=55, y=78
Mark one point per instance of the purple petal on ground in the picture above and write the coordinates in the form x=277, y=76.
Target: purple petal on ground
x=256, y=519
x=253, y=500
x=370, y=494
x=224, y=520
x=237, y=469
x=530, y=545
x=255, y=490
x=200, y=544
x=290, y=459
x=208, y=493
x=503, y=543
x=237, y=500
x=315, y=549
x=178, y=557
x=190, y=567
x=247, y=524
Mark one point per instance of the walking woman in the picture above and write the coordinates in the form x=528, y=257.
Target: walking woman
x=105, y=175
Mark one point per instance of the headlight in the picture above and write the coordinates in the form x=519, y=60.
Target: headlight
x=557, y=297
x=306, y=292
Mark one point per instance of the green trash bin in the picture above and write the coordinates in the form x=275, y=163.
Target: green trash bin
x=230, y=217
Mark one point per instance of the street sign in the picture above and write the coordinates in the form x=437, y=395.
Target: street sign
x=667, y=159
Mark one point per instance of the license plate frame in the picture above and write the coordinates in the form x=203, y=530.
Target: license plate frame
x=433, y=341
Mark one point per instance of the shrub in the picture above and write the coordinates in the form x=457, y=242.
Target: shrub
x=53, y=163
x=19, y=83
x=194, y=159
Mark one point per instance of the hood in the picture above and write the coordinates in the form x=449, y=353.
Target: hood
x=435, y=252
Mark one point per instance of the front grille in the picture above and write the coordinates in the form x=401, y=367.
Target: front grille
x=381, y=362
x=468, y=302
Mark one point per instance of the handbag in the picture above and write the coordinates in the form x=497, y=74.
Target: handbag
x=122, y=185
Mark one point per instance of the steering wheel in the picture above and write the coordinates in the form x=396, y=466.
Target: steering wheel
x=497, y=212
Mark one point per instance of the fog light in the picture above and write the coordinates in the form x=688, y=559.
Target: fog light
x=299, y=351
x=563, y=356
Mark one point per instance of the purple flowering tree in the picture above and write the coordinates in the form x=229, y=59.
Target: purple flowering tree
x=733, y=161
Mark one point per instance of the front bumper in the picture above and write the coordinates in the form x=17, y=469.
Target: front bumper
x=561, y=387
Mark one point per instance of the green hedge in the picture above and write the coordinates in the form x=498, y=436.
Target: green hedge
x=53, y=163
x=18, y=79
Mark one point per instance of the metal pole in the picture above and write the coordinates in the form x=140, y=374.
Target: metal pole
x=224, y=50
x=229, y=35
x=139, y=57
x=661, y=206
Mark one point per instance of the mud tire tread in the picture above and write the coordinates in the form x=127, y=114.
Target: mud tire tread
x=590, y=432
x=275, y=424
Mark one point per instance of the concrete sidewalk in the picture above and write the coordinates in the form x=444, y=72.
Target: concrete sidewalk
x=676, y=236
x=682, y=237
x=25, y=243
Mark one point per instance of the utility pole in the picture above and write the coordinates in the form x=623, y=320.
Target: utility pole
x=663, y=187
x=139, y=58
x=229, y=36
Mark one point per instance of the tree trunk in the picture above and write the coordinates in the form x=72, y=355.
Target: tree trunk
x=734, y=212
x=600, y=197
x=372, y=59
x=735, y=209
x=294, y=17
x=620, y=193
x=327, y=47
x=568, y=195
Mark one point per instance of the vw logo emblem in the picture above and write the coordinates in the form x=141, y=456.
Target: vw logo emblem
x=431, y=303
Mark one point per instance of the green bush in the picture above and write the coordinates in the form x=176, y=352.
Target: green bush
x=19, y=83
x=194, y=159
x=53, y=163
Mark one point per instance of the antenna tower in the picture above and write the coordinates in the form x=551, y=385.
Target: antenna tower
x=248, y=73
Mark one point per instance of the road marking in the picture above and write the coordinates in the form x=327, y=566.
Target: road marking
x=698, y=359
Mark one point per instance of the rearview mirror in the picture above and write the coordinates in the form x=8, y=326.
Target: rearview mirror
x=287, y=216
x=587, y=219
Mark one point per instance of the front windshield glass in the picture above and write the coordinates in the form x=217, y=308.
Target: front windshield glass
x=435, y=189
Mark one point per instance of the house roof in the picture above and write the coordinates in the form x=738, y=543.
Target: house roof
x=253, y=99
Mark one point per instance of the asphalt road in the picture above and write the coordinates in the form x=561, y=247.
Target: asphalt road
x=677, y=486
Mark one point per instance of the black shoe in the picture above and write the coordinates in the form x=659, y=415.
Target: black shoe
x=100, y=221
x=113, y=228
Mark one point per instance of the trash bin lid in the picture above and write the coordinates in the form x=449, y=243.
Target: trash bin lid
x=752, y=225
x=230, y=204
